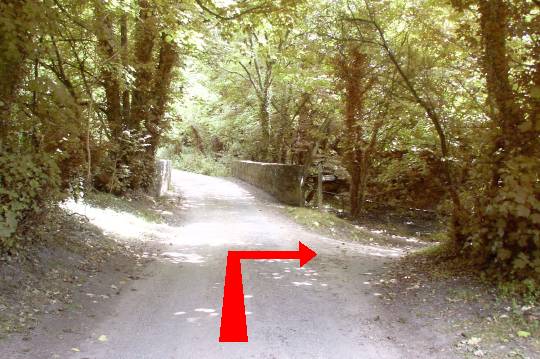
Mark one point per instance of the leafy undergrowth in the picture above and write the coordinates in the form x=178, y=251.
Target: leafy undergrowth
x=202, y=164
x=485, y=320
x=67, y=263
x=425, y=225
x=324, y=221
x=331, y=225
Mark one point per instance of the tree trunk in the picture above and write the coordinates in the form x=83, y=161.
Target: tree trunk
x=13, y=55
x=364, y=168
x=154, y=123
x=352, y=70
x=198, y=140
x=168, y=59
x=493, y=24
x=320, y=186
x=145, y=35
x=264, y=116
x=110, y=76
x=109, y=72
x=303, y=141
x=124, y=52
x=353, y=190
x=280, y=151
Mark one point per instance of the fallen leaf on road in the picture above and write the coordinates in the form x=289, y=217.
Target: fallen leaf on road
x=76, y=349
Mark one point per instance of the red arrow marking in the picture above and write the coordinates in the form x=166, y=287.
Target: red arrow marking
x=233, y=314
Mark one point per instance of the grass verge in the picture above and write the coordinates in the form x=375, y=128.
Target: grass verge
x=148, y=208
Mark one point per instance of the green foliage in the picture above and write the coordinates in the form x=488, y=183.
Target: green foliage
x=444, y=116
x=527, y=289
x=408, y=180
x=27, y=183
x=206, y=165
x=506, y=231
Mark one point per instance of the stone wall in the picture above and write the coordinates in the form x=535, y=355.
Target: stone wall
x=284, y=182
x=162, y=181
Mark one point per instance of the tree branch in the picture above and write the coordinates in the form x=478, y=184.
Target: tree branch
x=251, y=10
x=250, y=78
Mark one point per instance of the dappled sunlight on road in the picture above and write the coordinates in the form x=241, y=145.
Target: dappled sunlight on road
x=379, y=251
x=128, y=226
x=208, y=194
x=226, y=215
x=210, y=233
x=209, y=188
x=198, y=314
x=379, y=236
x=205, y=310
x=176, y=257
x=112, y=221
x=290, y=276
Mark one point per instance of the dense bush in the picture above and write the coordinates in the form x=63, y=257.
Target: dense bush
x=504, y=232
x=27, y=183
x=203, y=164
x=408, y=180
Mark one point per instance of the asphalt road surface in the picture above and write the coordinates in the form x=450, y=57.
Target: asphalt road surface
x=326, y=309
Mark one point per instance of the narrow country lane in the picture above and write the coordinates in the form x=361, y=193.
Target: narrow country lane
x=326, y=309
